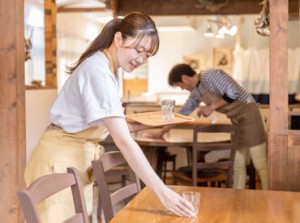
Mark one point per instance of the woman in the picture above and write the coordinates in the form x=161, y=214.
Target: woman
x=88, y=108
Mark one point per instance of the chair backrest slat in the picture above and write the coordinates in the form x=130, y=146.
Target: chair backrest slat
x=51, y=184
x=123, y=193
x=230, y=144
x=108, y=200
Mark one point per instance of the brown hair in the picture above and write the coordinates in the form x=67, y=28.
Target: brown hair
x=135, y=24
x=176, y=73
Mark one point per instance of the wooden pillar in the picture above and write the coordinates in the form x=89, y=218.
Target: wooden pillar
x=12, y=108
x=278, y=136
x=50, y=42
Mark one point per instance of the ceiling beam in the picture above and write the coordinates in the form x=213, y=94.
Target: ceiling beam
x=74, y=10
x=191, y=7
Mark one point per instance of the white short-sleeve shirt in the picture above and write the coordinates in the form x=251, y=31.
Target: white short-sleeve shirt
x=89, y=95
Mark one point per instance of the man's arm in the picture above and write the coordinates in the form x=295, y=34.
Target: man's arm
x=206, y=110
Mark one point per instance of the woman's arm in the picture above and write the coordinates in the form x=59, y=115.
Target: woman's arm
x=159, y=133
x=119, y=131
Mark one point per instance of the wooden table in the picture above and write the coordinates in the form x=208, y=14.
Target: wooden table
x=154, y=148
x=218, y=205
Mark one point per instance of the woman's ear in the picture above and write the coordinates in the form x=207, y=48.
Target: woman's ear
x=118, y=39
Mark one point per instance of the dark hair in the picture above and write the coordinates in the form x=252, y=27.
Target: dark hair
x=135, y=24
x=178, y=71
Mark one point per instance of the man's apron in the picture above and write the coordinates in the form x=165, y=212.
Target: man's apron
x=246, y=116
x=58, y=150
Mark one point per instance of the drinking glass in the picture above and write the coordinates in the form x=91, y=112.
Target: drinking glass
x=213, y=119
x=167, y=107
x=194, y=199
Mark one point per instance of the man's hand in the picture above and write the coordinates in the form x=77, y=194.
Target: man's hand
x=205, y=110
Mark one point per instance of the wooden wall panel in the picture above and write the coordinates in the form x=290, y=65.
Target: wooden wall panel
x=293, y=161
x=134, y=87
x=277, y=161
x=12, y=108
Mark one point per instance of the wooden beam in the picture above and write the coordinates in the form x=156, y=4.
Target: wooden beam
x=293, y=161
x=75, y=10
x=278, y=143
x=12, y=108
x=191, y=7
x=50, y=42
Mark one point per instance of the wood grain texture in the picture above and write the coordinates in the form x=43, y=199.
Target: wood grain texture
x=50, y=43
x=293, y=161
x=277, y=155
x=134, y=87
x=12, y=108
x=279, y=66
x=191, y=7
x=217, y=205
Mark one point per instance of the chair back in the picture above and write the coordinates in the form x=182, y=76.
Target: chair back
x=202, y=147
x=49, y=185
x=108, y=200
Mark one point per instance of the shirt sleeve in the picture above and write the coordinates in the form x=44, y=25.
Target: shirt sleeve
x=100, y=97
x=191, y=103
x=221, y=83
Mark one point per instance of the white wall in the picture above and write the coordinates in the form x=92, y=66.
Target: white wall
x=177, y=43
x=38, y=103
x=174, y=44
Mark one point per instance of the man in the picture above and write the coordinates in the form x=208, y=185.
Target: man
x=220, y=92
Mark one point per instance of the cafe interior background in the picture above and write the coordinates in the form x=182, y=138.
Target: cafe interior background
x=228, y=42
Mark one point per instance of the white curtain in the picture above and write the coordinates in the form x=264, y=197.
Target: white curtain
x=69, y=49
x=251, y=70
x=35, y=67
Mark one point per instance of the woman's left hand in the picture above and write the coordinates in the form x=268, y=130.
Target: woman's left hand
x=175, y=203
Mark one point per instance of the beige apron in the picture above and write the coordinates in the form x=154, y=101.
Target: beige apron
x=58, y=150
x=246, y=116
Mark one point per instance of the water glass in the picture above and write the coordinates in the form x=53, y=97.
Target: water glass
x=193, y=198
x=167, y=107
x=213, y=119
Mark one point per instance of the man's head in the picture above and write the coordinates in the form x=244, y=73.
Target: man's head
x=183, y=76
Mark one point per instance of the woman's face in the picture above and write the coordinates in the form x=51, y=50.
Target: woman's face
x=132, y=56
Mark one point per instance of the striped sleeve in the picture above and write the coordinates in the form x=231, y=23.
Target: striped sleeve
x=191, y=103
x=221, y=83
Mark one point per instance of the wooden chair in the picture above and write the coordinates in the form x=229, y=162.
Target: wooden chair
x=108, y=200
x=51, y=184
x=202, y=173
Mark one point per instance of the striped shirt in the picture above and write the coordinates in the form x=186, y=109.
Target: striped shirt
x=218, y=82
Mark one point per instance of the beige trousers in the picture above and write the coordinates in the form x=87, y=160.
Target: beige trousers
x=258, y=155
x=56, y=151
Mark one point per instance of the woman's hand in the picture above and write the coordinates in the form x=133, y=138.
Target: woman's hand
x=175, y=203
x=153, y=135
x=135, y=127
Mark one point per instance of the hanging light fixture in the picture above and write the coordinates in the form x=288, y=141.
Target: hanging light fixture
x=209, y=32
x=223, y=27
x=232, y=31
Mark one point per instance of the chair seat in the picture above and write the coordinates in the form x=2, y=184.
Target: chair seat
x=204, y=173
x=216, y=173
x=206, y=177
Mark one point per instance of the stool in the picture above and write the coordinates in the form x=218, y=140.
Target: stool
x=168, y=157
